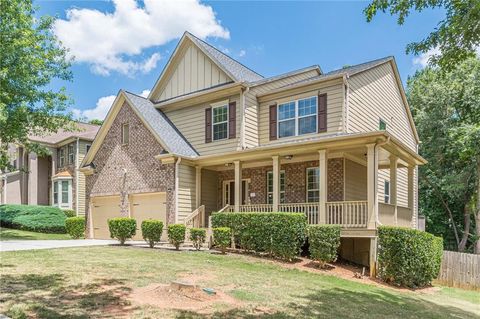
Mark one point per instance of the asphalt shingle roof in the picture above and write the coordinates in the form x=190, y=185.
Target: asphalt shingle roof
x=162, y=126
x=238, y=70
x=82, y=131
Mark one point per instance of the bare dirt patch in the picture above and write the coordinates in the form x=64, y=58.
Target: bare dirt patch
x=187, y=298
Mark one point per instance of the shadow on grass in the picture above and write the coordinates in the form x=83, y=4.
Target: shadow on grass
x=7, y=234
x=49, y=296
x=343, y=303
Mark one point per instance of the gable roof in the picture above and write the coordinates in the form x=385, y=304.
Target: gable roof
x=234, y=69
x=172, y=139
x=83, y=131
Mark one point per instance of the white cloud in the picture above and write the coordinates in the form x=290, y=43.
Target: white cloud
x=98, y=112
x=242, y=53
x=110, y=41
x=145, y=93
x=423, y=59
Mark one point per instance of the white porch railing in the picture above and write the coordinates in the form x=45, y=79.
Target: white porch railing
x=310, y=210
x=349, y=214
x=257, y=208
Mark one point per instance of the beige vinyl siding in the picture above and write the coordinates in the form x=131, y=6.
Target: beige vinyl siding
x=251, y=111
x=193, y=71
x=402, y=185
x=190, y=121
x=355, y=181
x=81, y=178
x=210, y=190
x=335, y=98
x=186, y=191
x=374, y=94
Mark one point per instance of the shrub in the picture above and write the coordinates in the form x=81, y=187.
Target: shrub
x=279, y=234
x=221, y=237
x=122, y=228
x=198, y=236
x=75, y=227
x=176, y=234
x=43, y=219
x=408, y=257
x=152, y=231
x=324, y=241
x=70, y=213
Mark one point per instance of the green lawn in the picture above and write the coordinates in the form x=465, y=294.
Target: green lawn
x=97, y=282
x=15, y=234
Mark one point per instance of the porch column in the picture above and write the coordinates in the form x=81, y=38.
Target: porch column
x=411, y=170
x=372, y=185
x=393, y=184
x=276, y=183
x=238, y=185
x=198, y=186
x=322, y=198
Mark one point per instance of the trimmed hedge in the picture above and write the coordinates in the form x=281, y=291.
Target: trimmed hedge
x=324, y=241
x=198, y=236
x=176, y=234
x=70, y=213
x=42, y=219
x=152, y=231
x=408, y=257
x=122, y=228
x=278, y=234
x=221, y=237
x=75, y=227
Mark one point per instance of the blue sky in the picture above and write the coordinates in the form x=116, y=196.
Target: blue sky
x=125, y=45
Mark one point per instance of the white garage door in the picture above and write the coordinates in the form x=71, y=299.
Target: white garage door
x=104, y=208
x=148, y=206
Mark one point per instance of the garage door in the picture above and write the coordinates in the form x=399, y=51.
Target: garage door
x=148, y=206
x=104, y=208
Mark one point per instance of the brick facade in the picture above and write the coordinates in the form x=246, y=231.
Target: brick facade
x=295, y=181
x=131, y=168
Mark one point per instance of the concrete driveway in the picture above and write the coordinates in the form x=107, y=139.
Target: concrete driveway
x=14, y=245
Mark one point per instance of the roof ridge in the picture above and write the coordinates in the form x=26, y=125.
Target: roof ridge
x=361, y=64
x=205, y=42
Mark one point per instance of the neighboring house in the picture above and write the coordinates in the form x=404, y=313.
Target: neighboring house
x=54, y=179
x=213, y=135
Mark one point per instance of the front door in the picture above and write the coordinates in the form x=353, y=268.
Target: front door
x=229, y=192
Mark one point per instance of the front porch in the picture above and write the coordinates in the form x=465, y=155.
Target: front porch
x=358, y=188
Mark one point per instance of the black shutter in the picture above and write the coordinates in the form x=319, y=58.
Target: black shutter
x=322, y=112
x=232, y=119
x=273, y=122
x=208, y=125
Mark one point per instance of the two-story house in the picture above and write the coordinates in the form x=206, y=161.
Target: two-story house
x=214, y=135
x=54, y=179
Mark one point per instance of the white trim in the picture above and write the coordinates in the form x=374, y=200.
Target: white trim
x=280, y=192
x=297, y=117
x=177, y=182
x=127, y=125
x=76, y=176
x=247, y=188
x=306, y=183
x=226, y=121
x=385, y=195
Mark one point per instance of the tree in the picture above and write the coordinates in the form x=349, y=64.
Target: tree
x=95, y=122
x=456, y=38
x=30, y=58
x=446, y=109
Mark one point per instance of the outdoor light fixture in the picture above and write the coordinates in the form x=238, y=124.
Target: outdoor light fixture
x=288, y=157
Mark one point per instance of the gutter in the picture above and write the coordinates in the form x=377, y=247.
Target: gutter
x=346, y=102
x=177, y=181
x=76, y=175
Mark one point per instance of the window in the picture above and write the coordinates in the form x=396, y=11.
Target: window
x=125, y=134
x=387, y=192
x=55, y=193
x=61, y=157
x=313, y=184
x=87, y=148
x=220, y=122
x=65, y=192
x=297, y=117
x=382, y=125
x=270, y=187
x=71, y=154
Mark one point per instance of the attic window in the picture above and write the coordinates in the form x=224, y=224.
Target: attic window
x=382, y=125
x=125, y=134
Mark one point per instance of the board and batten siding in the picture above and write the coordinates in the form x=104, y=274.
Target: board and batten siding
x=374, y=95
x=335, y=103
x=251, y=108
x=190, y=121
x=186, y=191
x=193, y=71
x=81, y=178
x=209, y=190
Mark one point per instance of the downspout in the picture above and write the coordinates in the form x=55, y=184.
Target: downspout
x=244, y=109
x=76, y=176
x=346, y=102
x=377, y=219
x=177, y=165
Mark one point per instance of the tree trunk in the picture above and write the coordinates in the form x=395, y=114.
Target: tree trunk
x=477, y=213
x=466, y=230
